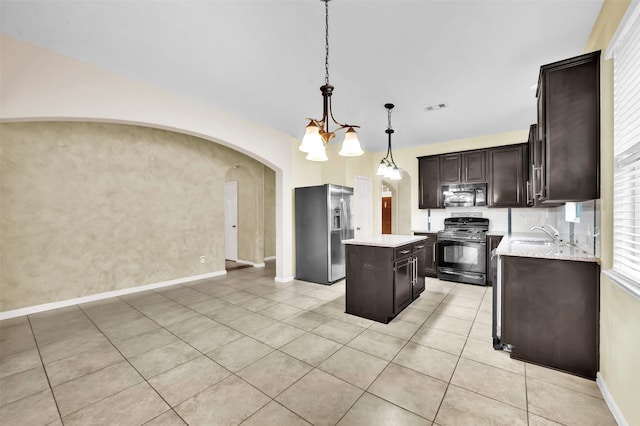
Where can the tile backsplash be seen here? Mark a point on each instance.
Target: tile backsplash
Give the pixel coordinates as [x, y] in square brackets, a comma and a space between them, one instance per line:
[586, 232]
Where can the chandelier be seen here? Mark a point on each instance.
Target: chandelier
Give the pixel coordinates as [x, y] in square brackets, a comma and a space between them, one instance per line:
[317, 135]
[387, 167]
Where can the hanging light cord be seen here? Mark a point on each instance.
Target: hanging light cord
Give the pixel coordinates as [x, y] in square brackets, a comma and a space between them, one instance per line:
[326, 41]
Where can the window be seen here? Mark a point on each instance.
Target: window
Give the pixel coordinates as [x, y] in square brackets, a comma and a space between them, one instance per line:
[625, 49]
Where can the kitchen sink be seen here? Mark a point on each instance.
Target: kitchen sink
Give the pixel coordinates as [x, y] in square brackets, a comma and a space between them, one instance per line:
[539, 241]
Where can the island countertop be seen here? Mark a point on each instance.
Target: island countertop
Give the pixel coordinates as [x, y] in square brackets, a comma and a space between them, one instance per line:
[385, 240]
[516, 245]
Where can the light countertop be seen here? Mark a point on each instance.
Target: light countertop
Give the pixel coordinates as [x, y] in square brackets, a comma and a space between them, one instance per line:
[509, 246]
[385, 240]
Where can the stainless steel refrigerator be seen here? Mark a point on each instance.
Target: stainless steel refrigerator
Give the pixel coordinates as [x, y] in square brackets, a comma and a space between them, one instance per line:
[323, 220]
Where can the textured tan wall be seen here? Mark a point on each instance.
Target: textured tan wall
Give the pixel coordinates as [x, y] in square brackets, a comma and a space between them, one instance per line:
[87, 208]
[269, 212]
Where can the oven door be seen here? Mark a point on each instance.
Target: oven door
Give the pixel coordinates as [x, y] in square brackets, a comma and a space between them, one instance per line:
[462, 261]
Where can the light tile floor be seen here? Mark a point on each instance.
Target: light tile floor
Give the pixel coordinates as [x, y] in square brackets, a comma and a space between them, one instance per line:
[243, 349]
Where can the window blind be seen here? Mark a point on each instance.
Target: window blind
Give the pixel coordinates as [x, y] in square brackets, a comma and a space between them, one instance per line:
[626, 134]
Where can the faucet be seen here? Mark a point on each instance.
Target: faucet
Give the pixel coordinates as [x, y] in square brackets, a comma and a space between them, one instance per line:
[555, 237]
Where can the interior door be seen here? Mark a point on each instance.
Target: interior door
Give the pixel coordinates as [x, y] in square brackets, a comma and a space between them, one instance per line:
[231, 220]
[386, 215]
[362, 207]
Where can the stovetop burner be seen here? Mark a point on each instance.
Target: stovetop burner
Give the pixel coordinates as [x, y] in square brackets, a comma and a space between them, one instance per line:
[464, 228]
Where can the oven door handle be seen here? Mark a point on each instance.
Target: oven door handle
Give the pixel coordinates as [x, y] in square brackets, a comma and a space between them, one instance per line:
[478, 242]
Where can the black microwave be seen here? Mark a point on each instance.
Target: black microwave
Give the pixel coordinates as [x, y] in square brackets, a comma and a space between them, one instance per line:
[464, 195]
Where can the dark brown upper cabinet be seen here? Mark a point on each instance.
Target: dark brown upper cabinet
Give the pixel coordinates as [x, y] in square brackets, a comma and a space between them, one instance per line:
[429, 183]
[535, 167]
[467, 167]
[567, 160]
[507, 176]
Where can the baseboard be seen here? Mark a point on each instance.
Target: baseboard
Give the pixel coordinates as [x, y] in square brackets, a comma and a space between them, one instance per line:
[608, 398]
[268, 258]
[283, 279]
[99, 296]
[246, 262]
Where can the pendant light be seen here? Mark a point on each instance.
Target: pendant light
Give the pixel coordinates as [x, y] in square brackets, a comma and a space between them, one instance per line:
[317, 135]
[387, 167]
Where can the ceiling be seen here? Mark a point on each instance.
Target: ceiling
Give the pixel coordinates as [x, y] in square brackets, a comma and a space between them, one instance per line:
[264, 59]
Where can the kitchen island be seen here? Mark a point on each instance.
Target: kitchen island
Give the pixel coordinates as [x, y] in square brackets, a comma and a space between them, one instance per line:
[546, 303]
[384, 274]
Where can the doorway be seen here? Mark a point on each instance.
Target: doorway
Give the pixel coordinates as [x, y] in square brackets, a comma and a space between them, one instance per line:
[386, 215]
[387, 193]
[231, 220]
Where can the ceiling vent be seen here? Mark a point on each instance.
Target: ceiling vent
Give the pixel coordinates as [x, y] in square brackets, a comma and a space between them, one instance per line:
[435, 107]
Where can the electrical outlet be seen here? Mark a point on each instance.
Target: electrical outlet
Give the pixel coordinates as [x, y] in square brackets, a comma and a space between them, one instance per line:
[202, 259]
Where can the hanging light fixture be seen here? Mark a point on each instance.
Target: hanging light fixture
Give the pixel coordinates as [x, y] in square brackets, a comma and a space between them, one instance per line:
[317, 135]
[387, 167]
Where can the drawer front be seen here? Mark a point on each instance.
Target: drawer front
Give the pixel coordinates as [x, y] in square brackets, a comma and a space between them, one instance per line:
[402, 251]
[420, 246]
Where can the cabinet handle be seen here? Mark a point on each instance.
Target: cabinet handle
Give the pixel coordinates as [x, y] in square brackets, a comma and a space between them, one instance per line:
[405, 251]
[529, 192]
[419, 247]
[434, 255]
[414, 271]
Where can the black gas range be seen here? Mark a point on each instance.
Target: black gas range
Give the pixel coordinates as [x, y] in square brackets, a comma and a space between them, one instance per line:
[462, 250]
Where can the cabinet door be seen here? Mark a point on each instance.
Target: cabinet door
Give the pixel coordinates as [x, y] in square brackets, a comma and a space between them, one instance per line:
[531, 166]
[429, 183]
[403, 284]
[475, 166]
[450, 168]
[506, 176]
[550, 311]
[569, 121]
[420, 265]
[430, 261]
[431, 264]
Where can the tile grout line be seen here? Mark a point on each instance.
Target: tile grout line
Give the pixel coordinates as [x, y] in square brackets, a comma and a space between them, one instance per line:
[132, 366]
[457, 362]
[312, 331]
[46, 374]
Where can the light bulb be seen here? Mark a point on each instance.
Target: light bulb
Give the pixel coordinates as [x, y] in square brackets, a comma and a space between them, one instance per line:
[395, 174]
[318, 154]
[311, 139]
[382, 168]
[351, 145]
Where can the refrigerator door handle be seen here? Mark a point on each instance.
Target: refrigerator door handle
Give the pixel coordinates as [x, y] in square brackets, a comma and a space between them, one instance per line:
[343, 208]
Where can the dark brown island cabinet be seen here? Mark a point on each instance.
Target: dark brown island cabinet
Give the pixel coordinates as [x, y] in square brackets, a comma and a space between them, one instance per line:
[382, 281]
[431, 261]
[567, 144]
[550, 312]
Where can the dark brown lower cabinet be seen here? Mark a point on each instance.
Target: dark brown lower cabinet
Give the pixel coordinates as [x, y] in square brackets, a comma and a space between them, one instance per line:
[382, 281]
[430, 262]
[550, 312]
